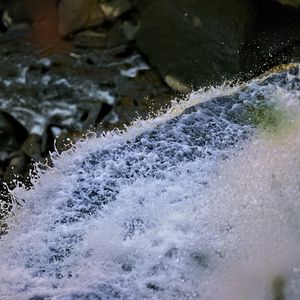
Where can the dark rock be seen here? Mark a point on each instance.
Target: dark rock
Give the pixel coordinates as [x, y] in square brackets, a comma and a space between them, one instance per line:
[90, 39]
[274, 38]
[116, 36]
[18, 30]
[203, 43]
[194, 43]
[66, 140]
[3, 27]
[16, 11]
[12, 135]
[2, 5]
[130, 30]
[32, 147]
[16, 169]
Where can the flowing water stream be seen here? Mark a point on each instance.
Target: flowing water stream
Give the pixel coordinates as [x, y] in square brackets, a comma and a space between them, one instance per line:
[201, 202]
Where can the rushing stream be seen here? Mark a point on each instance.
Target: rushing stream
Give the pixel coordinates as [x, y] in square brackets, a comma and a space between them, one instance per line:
[201, 202]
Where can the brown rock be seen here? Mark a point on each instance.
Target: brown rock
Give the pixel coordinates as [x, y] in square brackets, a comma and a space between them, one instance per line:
[75, 15]
[44, 18]
[114, 8]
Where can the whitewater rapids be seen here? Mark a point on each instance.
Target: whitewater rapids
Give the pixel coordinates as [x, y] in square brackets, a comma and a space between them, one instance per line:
[197, 203]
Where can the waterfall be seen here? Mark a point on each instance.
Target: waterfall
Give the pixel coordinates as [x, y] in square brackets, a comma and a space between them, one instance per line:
[200, 202]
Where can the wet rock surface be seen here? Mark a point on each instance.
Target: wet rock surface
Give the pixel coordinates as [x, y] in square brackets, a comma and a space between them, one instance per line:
[77, 15]
[199, 42]
[45, 93]
[273, 39]
[216, 40]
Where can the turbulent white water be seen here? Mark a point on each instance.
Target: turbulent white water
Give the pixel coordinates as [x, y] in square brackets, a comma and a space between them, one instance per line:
[195, 204]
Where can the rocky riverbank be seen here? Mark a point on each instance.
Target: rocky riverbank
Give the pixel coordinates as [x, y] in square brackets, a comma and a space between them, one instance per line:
[50, 88]
[70, 66]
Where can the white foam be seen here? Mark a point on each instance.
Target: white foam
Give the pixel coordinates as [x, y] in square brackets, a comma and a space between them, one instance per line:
[205, 228]
[22, 79]
[132, 72]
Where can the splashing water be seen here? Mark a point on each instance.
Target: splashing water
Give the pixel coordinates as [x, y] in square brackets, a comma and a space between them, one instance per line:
[198, 203]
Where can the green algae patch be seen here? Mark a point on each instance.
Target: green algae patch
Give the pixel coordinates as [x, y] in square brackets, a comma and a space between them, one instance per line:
[278, 286]
[271, 121]
[267, 118]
